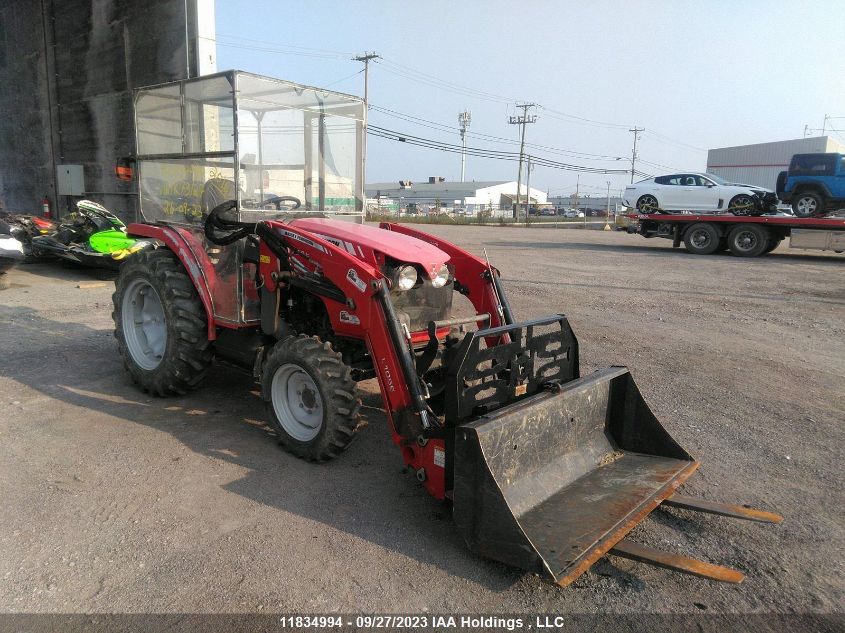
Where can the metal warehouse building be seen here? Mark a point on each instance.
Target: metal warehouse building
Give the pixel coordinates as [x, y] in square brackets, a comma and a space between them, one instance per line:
[496, 197]
[760, 164]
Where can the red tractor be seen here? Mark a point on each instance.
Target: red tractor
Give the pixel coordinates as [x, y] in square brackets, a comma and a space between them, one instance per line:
[545, 470]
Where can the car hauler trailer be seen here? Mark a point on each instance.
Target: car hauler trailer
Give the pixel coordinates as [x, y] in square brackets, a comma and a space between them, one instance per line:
[741, 235]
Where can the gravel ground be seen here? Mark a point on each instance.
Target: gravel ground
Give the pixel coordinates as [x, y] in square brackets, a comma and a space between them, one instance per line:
[117, 502]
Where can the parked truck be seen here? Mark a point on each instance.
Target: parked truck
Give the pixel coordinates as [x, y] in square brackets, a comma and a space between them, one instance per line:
[741, 235]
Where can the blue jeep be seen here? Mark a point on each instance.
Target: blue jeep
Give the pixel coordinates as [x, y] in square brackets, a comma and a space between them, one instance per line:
[814, 184]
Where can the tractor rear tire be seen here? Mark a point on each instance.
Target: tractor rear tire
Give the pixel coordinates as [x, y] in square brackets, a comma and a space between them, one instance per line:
[310, 397]
[160, 324]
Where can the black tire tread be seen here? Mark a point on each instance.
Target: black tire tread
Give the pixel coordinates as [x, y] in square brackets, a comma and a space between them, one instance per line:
[337, 389]
[189, 352]
[763, 236]
[715, 239]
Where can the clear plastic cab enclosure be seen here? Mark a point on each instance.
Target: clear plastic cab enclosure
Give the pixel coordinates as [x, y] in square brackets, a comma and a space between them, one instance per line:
[235, 135]
[238, 136]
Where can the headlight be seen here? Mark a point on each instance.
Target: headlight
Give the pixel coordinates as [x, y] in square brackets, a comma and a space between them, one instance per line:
[442, 277]
[406, 277]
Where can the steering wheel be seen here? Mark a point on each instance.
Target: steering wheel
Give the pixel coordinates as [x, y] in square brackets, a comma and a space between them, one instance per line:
[222, 231]
[278, 200]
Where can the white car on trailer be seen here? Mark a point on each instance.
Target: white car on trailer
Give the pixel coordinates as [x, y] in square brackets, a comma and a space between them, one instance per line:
[696, 192]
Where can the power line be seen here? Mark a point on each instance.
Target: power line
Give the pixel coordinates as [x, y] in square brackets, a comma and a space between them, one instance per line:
[264, 49]
[276, 45]
[434, 125]
[483, 152]
[660, 138]
[679, 169]
[431, 80]
[412, 74]
[333, 83]
[583, 119]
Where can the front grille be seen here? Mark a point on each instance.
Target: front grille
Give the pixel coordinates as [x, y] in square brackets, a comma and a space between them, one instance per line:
[421, 304]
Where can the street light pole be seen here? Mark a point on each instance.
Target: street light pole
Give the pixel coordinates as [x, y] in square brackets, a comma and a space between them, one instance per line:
[464, 119]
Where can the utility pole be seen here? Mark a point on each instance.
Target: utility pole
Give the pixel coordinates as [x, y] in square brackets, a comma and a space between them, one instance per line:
[366, 58]
[521, 120]
[528, 169]
[577, 186]
[607, 210]
[464, 119]
[636, 132]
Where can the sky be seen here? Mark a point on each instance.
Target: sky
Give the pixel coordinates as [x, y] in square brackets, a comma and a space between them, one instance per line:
[695, 75]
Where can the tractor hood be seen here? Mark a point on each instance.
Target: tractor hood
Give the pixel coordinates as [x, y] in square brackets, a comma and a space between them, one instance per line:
[350, 237]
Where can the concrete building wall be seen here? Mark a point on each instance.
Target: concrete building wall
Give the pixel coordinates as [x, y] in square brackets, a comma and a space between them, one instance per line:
[760, 164]
[68, 68]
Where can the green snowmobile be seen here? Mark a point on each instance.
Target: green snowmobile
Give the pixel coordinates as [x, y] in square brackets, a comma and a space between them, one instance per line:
[92, 236]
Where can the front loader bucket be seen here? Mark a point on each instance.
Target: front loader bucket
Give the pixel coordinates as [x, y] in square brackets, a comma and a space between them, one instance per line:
[552, 482]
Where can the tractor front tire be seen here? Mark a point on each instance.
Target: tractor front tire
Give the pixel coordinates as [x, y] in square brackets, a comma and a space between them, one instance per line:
[310, 397]
[160, 324]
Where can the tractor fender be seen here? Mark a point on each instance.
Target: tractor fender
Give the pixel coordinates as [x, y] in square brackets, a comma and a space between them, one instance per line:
[175, 240]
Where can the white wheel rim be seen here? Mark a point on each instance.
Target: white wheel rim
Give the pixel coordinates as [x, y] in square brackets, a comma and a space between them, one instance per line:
[297, 402]
[144, 324]
[806, 205]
